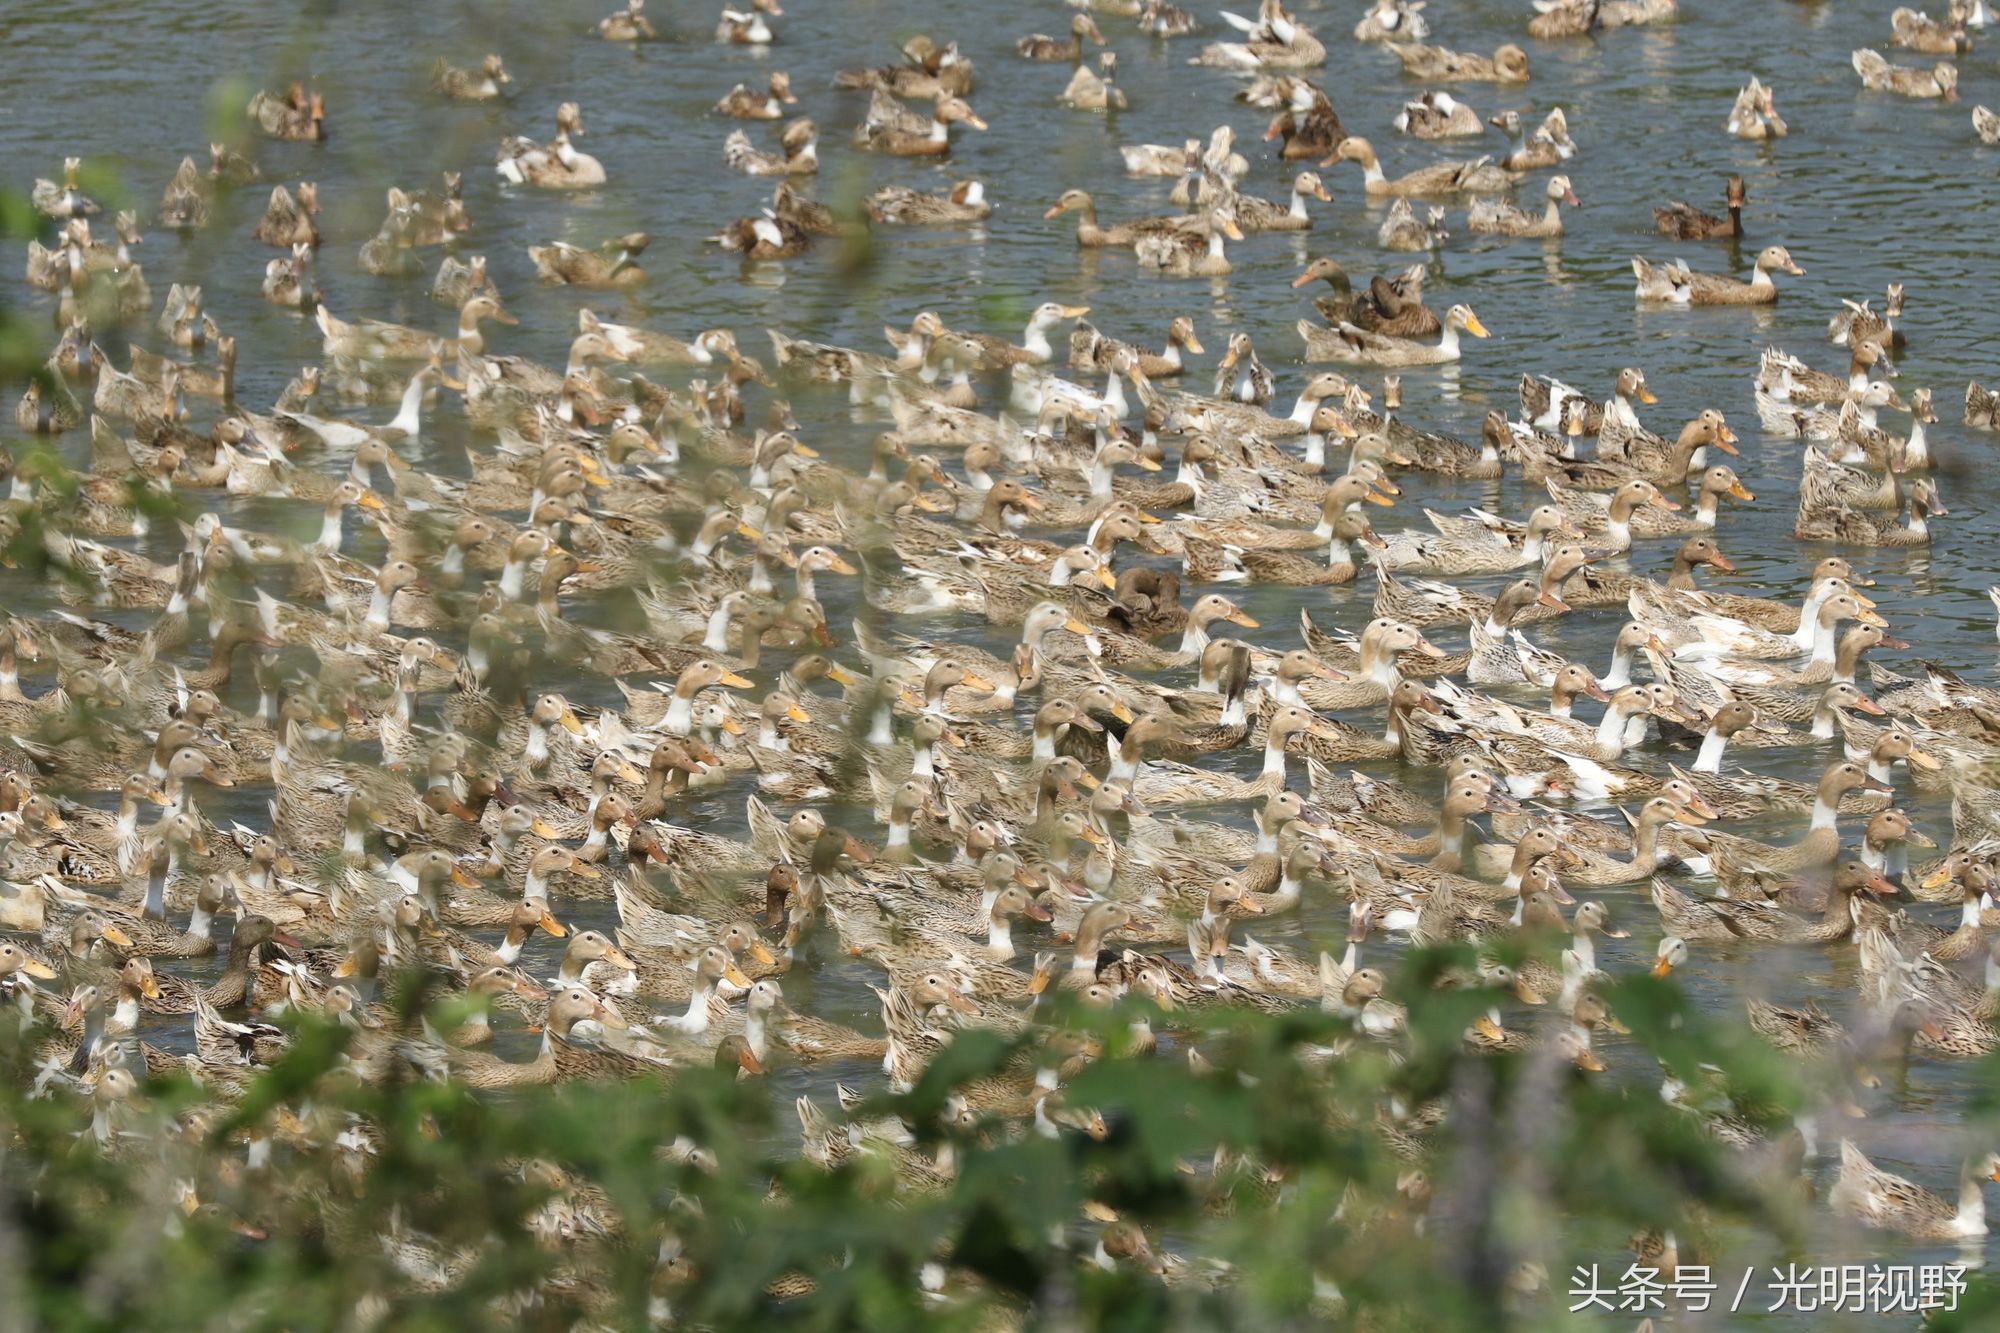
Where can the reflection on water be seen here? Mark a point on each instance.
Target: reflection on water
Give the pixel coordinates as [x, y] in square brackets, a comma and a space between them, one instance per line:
[1866, 190]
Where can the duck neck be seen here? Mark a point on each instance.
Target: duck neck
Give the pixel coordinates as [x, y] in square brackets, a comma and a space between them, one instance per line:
[999, 937]
[1274, 757]
[156, 890]
[1611, 730]
[1970, 1219]
[1709, 758]
[1308, 403]
[716, 638]
[1584, 946]
[1822, 644]
[696, 1018]
[1194, 639]
[680, 714]
[1646, 844]
[881, 724]
[332, 528]
[409, 418]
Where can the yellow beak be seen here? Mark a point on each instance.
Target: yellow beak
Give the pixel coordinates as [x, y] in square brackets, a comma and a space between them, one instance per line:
[1474, 327]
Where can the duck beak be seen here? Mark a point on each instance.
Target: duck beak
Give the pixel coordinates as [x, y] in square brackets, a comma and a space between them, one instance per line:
[1662, 966]
[972, 680]
[839, 675]
[370, 500]
[1148, 465]
[1647, 395]
[1120, 711]
[621, 960]
[1429, 649]
[1663, 502]
[1552, 601]
[1235, 233]
[1378, 498]
[1740, 491]
[1866, 705]
[551, 926]
[798, 714]
[1878, 884]
[150, 988]
[1075, 626]
[734, 976]
[1593, 690]
[1891, 641]
[1474, 327]
[733, 681]
[1037, 912]
[1683, 815]
[570, 723]
[1335, 674]
[1075, 311]
[118, 937]
[1488, 1029]
[1103, 576]
[1868, 617]
[462, 878]
[1938, 878]
[1701, 807]
[1054, 211]
[1239, 618]
[1302, 280]
[1090, 835]
[841, 565]
[39, 970]
[962, 1003]
[1924, 760]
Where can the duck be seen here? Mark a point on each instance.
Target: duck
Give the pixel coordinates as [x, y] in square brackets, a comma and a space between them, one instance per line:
[483, 84]
[1478, 175]
[1508, 64]
[1878, 75]
[749, 27]
[1685, 222]
[296, 116]
[1039, 46]
[1862, 528]
[65, 201]
[1547, 145]
[1885, 1202]
[288, 221]
[1391, 305]
[1090, 235]
[629, 24]
[1276, 40]
[1195, 253]
[1393, 20]
[935, 141]
[1259, 215]
[1544, 402]
[611, 264]
[964, 202]
[1755, 114]
[742, 103]
[1438, 115]
[798, 155]
[552, 166]
[1358, 346]
[1676, 284]
[1489, 217]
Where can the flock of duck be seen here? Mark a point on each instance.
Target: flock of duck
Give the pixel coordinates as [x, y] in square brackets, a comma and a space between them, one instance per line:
[982, 830]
